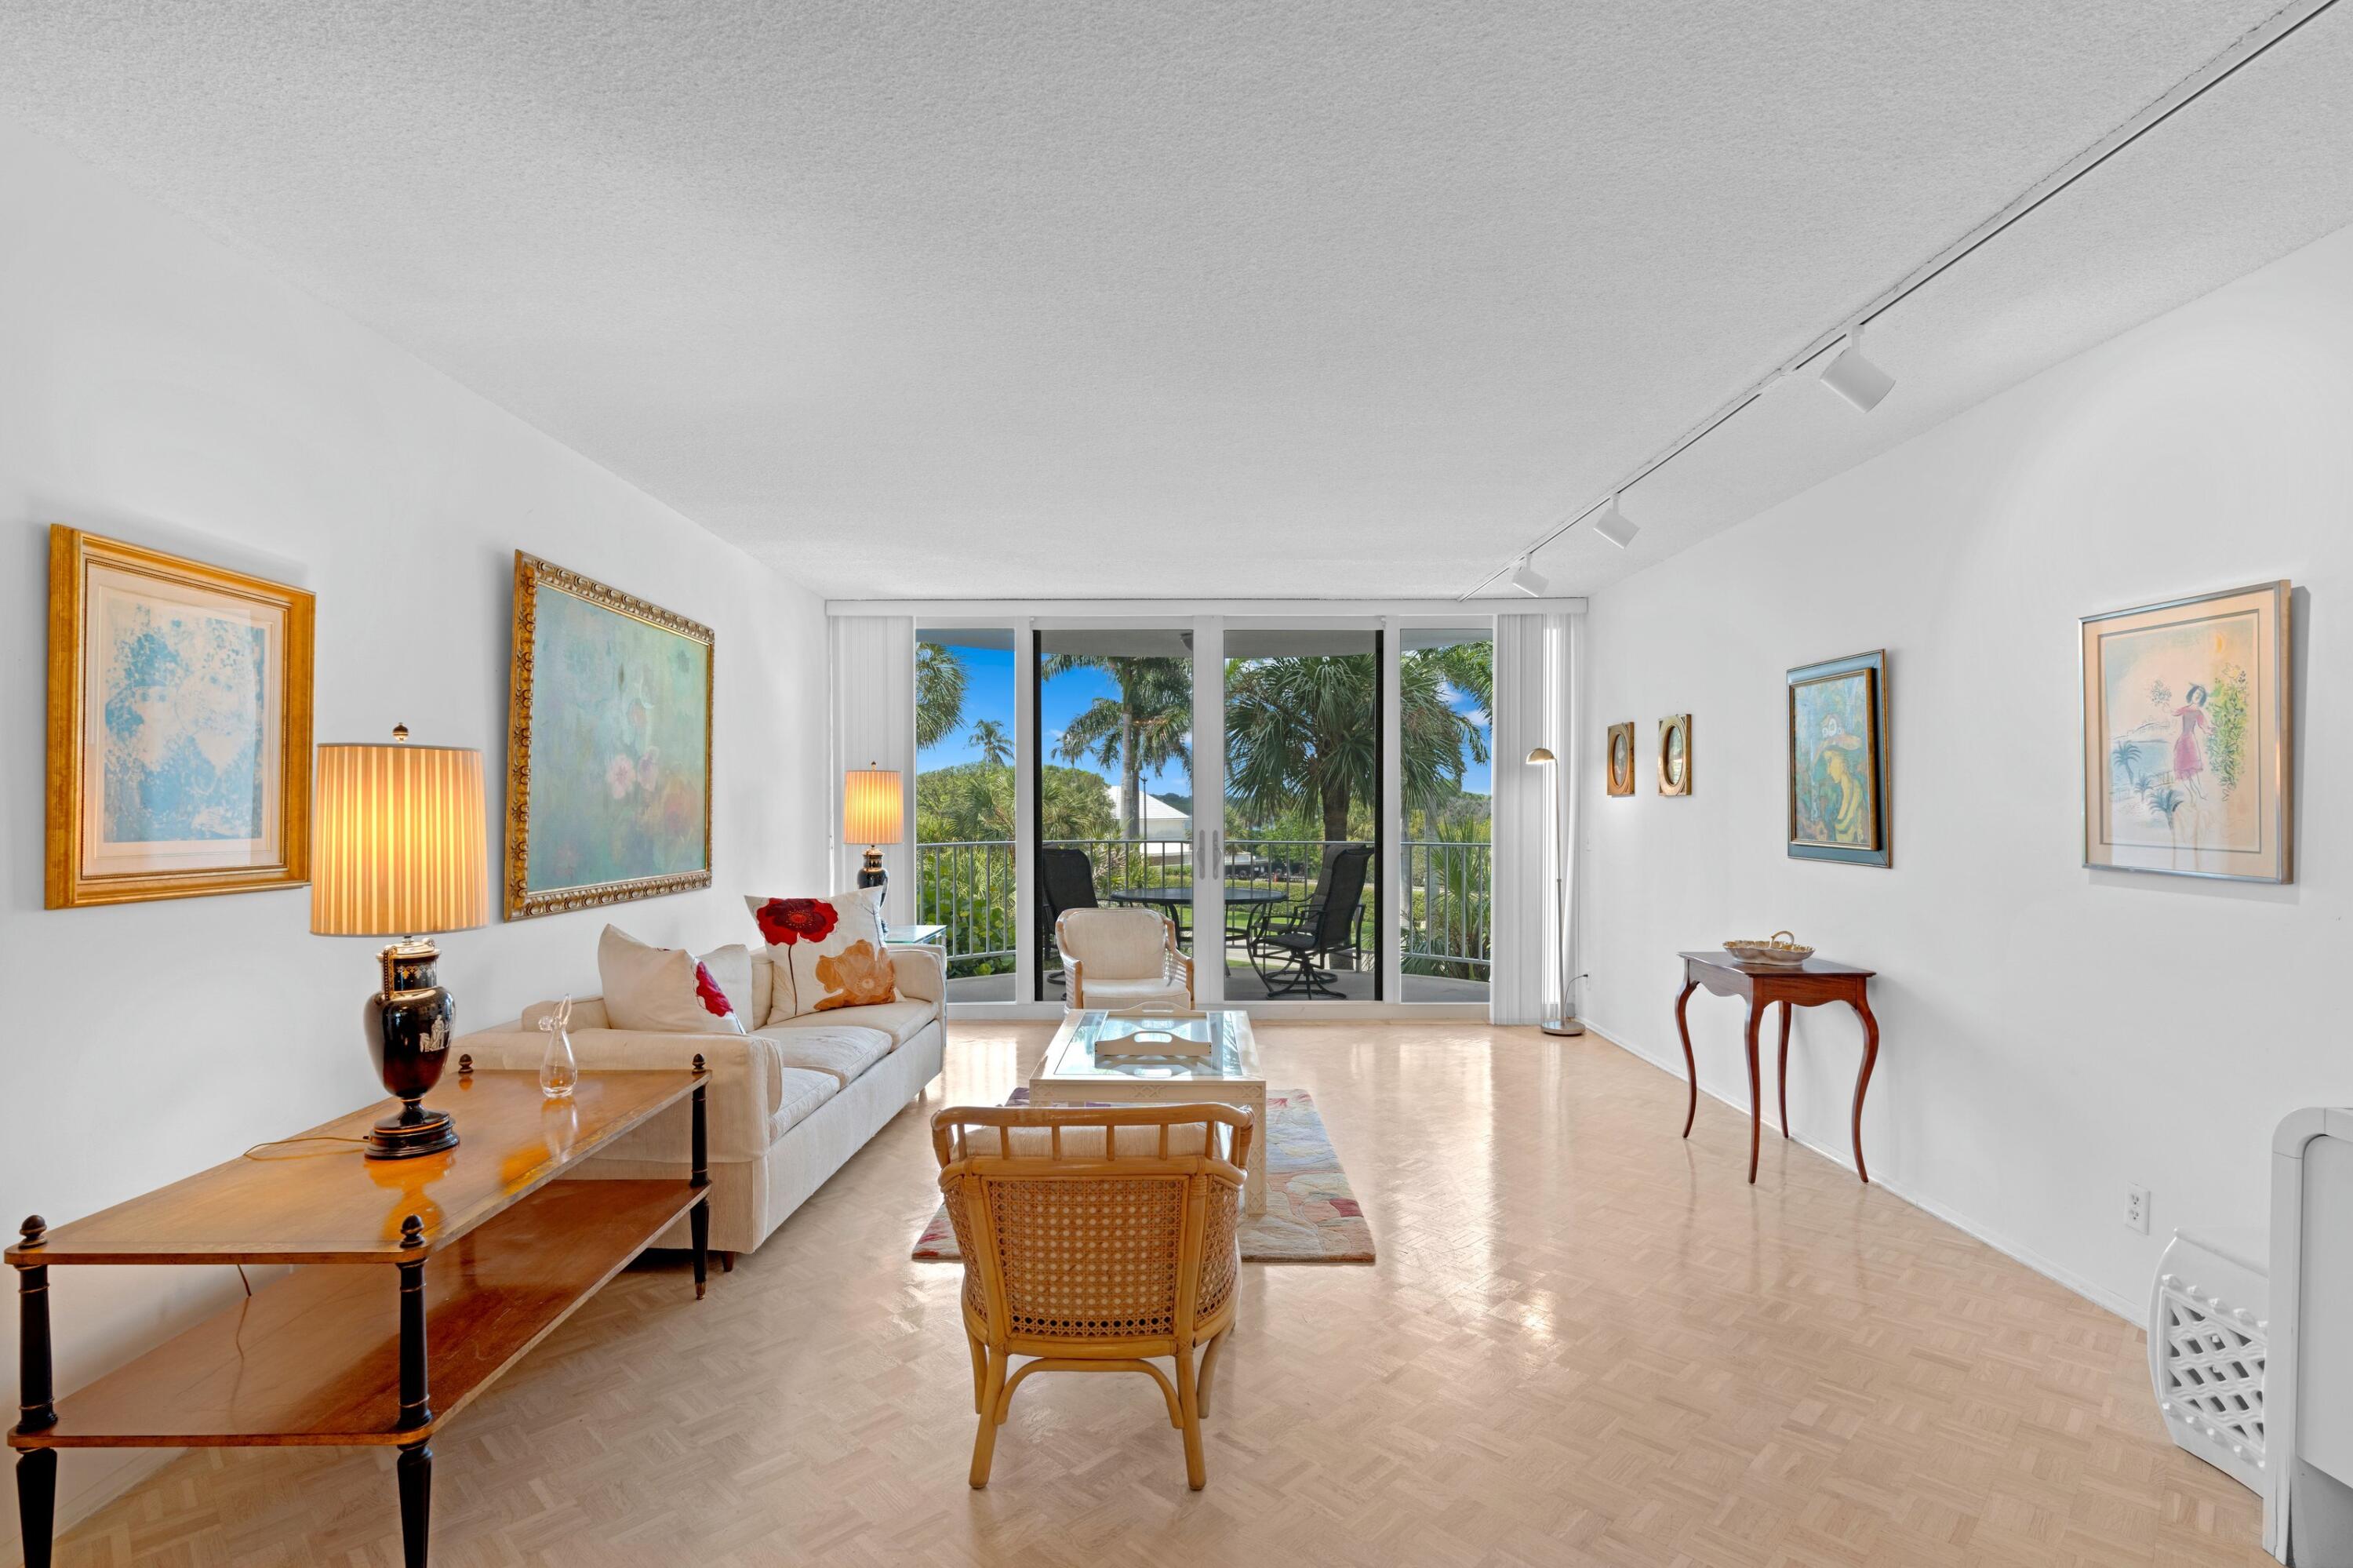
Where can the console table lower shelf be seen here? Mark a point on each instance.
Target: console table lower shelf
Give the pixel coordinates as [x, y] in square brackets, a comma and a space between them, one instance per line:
[493, 1249]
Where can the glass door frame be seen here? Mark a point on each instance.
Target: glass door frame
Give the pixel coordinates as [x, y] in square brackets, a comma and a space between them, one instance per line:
[1028, 621]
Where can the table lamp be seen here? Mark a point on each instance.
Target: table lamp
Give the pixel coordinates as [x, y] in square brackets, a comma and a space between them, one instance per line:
[871, 801]
[397, 851]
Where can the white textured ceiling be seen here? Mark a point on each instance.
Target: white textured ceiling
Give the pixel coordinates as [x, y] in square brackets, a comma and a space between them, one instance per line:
[1330, 297]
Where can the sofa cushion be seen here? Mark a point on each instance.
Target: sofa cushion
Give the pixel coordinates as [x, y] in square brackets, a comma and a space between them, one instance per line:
[831, 949]
[805, 1089]
[842, 1052]
[669, 991]
[901, 1021]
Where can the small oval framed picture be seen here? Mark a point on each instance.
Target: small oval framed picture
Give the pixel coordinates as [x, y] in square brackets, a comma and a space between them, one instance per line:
[1620, 755]
[1675, 755]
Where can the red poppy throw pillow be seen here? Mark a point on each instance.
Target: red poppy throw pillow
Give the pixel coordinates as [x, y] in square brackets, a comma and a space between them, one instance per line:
[669, 991]
[828, 952]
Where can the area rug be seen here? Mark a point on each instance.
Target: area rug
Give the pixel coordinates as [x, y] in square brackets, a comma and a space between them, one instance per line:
[1312, 1215]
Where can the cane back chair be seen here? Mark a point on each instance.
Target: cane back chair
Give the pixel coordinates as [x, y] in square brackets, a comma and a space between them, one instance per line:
[1094, 1238]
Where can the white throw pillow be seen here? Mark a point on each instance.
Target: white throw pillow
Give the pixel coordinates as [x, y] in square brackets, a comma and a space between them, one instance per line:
[667, 990]
[831, 948]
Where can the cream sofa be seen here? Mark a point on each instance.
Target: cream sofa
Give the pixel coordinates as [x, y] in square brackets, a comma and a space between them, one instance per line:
[788, 1106]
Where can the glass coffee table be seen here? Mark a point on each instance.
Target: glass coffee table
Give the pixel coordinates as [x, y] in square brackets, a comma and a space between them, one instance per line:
[1088, 1064]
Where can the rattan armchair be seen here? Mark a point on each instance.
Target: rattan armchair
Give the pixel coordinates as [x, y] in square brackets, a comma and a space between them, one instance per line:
[1094, 1238]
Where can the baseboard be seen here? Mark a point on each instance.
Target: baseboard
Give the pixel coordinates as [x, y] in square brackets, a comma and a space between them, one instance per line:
[76, 1502]
[2131, 1311]
[1271, 1012]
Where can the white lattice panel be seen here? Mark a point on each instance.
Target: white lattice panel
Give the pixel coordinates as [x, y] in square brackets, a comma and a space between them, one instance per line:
[2207, 1347]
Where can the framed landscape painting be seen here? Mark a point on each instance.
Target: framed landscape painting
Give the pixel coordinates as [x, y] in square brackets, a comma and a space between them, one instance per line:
[1837, 760]
[608, 746]
[179, 726]
[2186, 736]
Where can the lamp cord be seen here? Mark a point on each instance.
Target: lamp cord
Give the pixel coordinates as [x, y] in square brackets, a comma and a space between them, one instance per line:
[254, 1153]
[287, 1142]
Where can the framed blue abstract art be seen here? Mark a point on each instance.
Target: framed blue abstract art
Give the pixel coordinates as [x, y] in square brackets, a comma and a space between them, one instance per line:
[179, 734]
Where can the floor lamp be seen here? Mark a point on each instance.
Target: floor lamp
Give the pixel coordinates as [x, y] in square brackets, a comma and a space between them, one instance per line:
[1560, 1021]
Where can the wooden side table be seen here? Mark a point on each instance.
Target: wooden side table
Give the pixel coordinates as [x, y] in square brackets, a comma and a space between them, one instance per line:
[1809, 984]
[479, 1252]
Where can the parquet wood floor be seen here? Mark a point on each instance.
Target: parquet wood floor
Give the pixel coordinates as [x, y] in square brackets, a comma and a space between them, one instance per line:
[1587, 1342]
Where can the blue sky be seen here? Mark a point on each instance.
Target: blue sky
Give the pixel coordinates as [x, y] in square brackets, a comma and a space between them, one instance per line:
[988, 695]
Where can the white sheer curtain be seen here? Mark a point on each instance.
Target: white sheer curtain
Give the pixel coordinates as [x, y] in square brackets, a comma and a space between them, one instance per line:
[875, 726]
[1535, 814]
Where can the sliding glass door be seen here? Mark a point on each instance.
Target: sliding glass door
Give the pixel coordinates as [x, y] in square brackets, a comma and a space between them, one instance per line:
[1446, 851]
[966, 896]
[1303, 823]
[1114, 798]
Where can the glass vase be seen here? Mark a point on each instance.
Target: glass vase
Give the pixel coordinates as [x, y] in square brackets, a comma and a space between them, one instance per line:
[558, 1072]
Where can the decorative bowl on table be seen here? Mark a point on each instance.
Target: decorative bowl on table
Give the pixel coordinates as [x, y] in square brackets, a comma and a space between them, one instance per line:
[1773, 949]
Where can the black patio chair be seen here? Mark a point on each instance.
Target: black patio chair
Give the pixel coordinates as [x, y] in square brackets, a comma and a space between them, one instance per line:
[1066, 880]
[1294, 952]
[1302, 917]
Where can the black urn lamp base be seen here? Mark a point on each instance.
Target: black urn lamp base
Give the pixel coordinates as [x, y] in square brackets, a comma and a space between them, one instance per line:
[414, 1131]
[409, 1024]
[871, 875]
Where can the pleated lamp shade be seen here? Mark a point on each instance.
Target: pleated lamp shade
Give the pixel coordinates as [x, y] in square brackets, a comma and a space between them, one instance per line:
[397, 840]
[871, 803]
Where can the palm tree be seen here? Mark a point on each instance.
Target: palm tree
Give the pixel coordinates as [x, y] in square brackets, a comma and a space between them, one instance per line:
[1142, 729]
[1469, 668]
[988, 738]
[939, 693]
[1309, 728]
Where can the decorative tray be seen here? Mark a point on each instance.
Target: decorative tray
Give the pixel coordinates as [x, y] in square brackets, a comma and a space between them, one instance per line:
[1772, 950]
[1154, 1035]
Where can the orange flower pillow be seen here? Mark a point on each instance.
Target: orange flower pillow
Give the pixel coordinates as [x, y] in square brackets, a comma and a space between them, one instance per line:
[827, 952]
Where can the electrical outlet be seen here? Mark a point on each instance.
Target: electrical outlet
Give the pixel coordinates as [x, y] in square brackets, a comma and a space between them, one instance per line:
[2137, 1209]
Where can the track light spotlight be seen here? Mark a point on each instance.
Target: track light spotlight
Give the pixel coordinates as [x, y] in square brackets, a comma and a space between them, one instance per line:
[1525, 578]
[1855, 378]
[1615, 525]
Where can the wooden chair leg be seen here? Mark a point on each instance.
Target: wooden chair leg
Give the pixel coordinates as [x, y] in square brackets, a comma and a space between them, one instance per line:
[1209, 1370]
[984, 1442]
[1197, 1469]
[979, 1372]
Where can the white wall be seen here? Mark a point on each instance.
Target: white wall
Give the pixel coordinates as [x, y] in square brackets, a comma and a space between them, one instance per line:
[158, 387]
[2049, 1033]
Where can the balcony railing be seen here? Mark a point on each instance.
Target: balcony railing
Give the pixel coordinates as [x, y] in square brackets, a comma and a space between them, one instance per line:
[1447, 921]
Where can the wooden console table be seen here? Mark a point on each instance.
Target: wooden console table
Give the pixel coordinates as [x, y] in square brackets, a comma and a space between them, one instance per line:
[491, 1249]
[1809, 984]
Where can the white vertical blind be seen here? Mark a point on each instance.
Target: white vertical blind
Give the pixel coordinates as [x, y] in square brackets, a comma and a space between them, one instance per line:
[1536, 816]
[875, 726]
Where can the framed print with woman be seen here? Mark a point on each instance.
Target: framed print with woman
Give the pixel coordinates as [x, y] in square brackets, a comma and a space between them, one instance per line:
[1837, 799]
[2186, 736]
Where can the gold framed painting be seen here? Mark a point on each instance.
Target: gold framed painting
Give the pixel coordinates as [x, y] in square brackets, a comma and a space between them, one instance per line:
[1837, 783]
[608, 746]
[1674, 756]
[1620, 758]
[2188, 736]
[179, 726]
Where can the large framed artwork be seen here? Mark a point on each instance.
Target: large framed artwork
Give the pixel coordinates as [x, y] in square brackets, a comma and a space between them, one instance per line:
[179, 738]
[1837, 761]
[608, 746]
[2187, 737]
